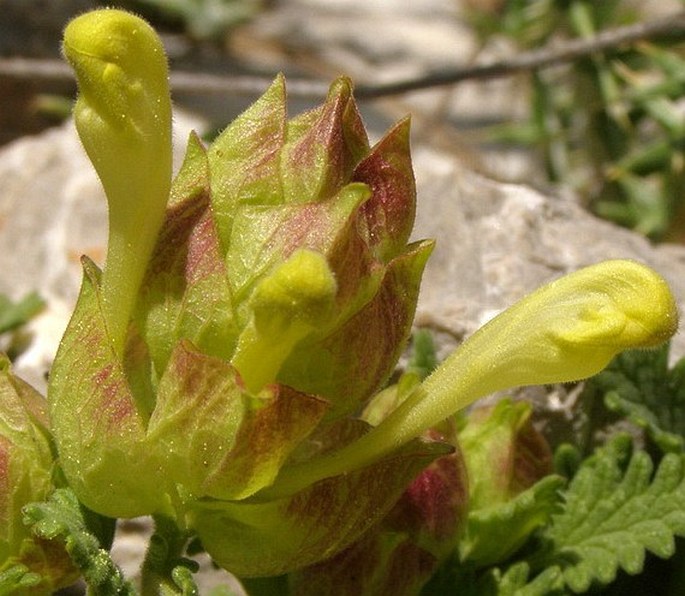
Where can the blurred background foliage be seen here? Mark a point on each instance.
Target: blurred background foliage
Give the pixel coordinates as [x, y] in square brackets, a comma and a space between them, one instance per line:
[202, 20]
[610, 126]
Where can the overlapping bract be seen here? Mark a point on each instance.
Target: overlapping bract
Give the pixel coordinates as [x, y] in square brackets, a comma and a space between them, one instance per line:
[267, 304]
[276, 301]
[26, 469]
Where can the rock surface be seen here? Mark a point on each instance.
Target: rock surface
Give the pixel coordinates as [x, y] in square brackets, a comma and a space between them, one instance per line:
[498, 241]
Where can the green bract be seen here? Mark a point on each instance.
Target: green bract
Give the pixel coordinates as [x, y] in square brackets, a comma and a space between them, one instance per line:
[245, 313]
[26, 467]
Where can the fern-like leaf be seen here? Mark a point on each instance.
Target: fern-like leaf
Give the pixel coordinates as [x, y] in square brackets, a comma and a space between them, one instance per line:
[639, 386]
[63, 518]
[17, 579]
[616, 510]
[516, 582]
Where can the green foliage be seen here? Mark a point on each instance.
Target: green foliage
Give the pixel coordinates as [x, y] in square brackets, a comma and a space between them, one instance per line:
[615, 514]
[16, 314]
[516, 581]
[13, 316]
[17, 579]
[640, 386]
[423, 359]
[616, 510]
[607, 125]
[165, 570]
[83, 533]
[494, 533]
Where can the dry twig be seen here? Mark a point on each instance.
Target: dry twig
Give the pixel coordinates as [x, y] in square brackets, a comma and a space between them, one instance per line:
[207, 83]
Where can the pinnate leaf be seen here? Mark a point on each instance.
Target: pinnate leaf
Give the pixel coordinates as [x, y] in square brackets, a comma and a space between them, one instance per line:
[639, 385]
[63, 518]
[515, 582]
[616, 509]
[17, 579]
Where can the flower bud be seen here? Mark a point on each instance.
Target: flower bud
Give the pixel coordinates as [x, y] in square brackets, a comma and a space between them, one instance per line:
[123, 117]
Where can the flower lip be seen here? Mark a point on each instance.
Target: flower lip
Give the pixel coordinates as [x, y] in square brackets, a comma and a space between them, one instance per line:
[565, 331]
[629, 306]
[106, 35]
[112, 52]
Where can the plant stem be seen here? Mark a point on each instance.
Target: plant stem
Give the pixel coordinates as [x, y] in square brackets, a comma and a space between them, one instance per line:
[163, 557]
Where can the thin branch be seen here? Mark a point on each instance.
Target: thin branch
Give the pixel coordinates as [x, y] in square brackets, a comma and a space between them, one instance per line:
[207, 83]
[191, 83]
[671, 26]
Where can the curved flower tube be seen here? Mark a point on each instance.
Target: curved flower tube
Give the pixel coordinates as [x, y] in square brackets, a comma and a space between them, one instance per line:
[565, 331]
[248, 310]
[123, 117]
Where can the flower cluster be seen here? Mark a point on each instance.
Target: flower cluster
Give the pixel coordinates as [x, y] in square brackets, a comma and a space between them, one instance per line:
[215, 372]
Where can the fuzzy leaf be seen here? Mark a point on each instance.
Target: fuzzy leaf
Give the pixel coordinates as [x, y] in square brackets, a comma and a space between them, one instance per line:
[244, 162]
[264, 235]
[26, 473]
[504, 453]
[615, 511]
[322, 147]
[215, 439]
[166, 571]
[98, 415]
[389, 217]
[270, 536]
[515, 582]
[639, 385]
[183, 578]
[63, 518]
[185, 292]
[17, 579]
